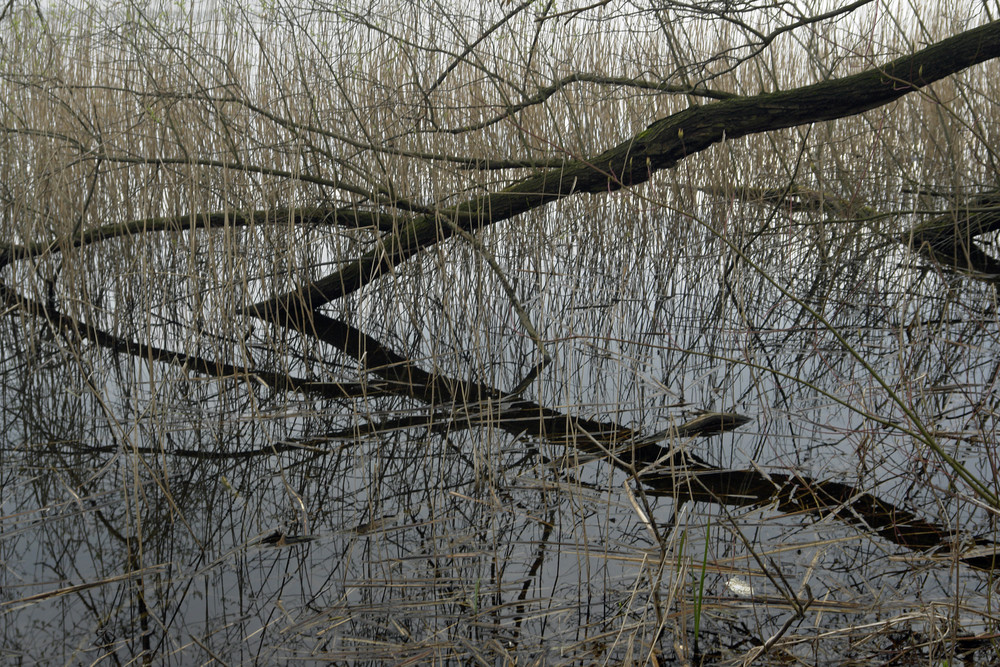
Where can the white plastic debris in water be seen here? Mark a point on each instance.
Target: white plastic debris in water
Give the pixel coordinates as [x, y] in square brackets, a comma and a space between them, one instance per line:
[739, 587]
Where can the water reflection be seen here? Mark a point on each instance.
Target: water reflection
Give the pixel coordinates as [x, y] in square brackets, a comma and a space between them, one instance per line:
[150, 511]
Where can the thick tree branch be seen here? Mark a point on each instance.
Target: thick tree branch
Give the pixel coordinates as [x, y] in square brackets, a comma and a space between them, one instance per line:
[343, 216]
[661, 146]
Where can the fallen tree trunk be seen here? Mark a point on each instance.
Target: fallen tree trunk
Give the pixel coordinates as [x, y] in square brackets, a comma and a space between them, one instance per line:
[661, 146]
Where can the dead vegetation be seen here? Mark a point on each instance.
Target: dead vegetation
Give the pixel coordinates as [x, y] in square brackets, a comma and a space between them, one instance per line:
[523, 334]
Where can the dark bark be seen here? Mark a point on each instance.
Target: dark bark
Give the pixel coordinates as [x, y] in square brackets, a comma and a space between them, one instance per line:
[459, 404]
[796, 495]
[950, 239]
[661, 146]
[305, 216]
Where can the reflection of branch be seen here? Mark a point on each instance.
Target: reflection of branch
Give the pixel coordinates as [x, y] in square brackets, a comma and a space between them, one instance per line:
[795, 494]
[277, 381]
[478, 404]
[671, 472]
[949, 239]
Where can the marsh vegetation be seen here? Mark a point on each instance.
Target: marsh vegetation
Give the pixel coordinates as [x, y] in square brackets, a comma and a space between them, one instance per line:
[538, 333]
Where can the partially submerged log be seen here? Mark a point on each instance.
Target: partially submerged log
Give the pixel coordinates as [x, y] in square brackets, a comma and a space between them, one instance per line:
[950, 239]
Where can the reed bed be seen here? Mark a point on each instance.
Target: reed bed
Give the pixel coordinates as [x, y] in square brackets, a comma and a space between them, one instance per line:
[431, 469]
